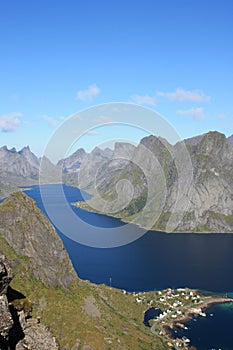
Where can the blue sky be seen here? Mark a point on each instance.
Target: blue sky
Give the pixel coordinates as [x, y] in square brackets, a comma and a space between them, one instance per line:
[61, 57]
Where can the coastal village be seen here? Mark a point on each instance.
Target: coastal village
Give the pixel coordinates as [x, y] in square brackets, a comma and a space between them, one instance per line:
[169, 309]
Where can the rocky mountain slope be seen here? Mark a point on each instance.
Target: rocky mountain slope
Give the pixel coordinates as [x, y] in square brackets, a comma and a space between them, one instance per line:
[30, 234]
[19, 169]
[24, 168]
[46, 295]
[188, 186]
[18, 330]
[182, 187]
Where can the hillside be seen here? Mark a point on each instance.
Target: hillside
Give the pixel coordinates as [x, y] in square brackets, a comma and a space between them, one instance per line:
[186, 187]
[81, 315]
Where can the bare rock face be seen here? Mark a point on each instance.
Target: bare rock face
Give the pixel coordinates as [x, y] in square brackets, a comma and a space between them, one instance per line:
[195, 190]
[6, 274]
[18, 331]
[37, 336]
[6, 321]
[30, 234]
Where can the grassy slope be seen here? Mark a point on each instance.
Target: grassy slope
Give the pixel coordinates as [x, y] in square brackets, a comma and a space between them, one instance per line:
[63, 311]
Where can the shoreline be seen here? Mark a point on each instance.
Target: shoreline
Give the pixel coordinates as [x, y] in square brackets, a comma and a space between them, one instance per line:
[167, 327]
[189, 316]
[85, 206]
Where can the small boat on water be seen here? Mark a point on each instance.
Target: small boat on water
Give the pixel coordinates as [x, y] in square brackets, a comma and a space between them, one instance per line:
[203, 314]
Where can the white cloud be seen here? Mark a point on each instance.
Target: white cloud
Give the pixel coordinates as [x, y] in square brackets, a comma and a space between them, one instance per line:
[197, 113]
[52, 121]
[184, 95]
[10, 122]
[88, 94]
[144, 100]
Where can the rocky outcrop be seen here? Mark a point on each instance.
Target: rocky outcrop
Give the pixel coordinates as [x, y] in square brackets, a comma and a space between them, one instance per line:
[28, 231]
[6, 320]
[18, 331]
[5, 274]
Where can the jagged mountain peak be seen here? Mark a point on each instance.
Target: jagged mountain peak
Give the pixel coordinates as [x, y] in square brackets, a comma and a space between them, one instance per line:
[213, 143]
[73, 162]
[153, 141]
[148, 139]
[80, 152]
[98, 152]
[25, 148]
[121, 146]
[30, 157]
[4, 148]
[193, 141]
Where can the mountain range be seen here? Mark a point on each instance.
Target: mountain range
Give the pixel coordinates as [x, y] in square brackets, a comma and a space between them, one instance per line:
[188, 186]
[183, 187]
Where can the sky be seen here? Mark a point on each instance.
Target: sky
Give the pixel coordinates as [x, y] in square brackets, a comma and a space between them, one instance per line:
[59, 58]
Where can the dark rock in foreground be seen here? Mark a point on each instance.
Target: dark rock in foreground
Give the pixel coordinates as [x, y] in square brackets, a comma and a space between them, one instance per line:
[17, 329]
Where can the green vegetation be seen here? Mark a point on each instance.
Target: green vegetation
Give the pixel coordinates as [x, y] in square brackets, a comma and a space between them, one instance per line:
[227, 218]
[119, 321]
[22, 304]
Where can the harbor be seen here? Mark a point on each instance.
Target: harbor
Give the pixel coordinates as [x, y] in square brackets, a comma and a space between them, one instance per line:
[173, 308]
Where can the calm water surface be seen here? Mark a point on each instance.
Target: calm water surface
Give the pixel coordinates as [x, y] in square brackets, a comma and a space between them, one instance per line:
[213, 331]
[157, 261]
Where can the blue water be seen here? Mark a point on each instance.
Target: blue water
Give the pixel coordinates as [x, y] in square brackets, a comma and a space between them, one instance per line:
[213, 331]
[156, 261]
[151, 314]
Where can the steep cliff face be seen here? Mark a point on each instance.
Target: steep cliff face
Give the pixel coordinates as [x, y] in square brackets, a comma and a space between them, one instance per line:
[18, 331]
[210, 206]
[125, 180]
[22, 163]
[6, 320]
[21, 168]
[30, 233]
[72, 163]
[195, 188]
